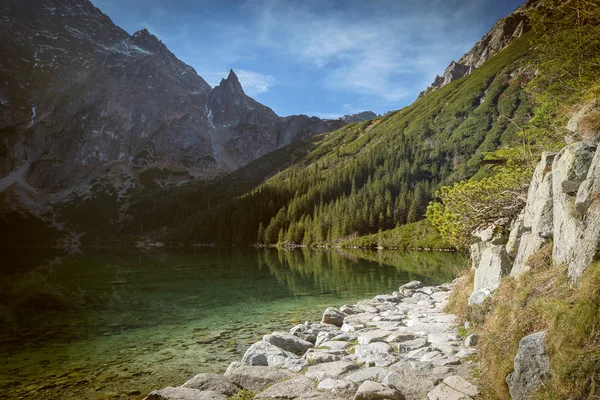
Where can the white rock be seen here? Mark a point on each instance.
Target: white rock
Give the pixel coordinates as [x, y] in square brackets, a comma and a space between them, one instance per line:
[532, 367]
[333, 316]
[330, 370]
[369, 390]
[462, 385]
[445, 392]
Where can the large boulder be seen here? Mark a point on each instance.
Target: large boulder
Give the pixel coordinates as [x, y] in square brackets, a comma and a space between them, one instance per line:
[569, 169]
[255, 378]
[288, 342]
[289, 389]
[493, 265]
[266, 354]
[215, 382]
[532, 367]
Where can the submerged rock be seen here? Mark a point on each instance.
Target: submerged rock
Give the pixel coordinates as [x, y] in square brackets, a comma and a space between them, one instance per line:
[255, 378]
[182, 393]
[215, 382]
[288, 342]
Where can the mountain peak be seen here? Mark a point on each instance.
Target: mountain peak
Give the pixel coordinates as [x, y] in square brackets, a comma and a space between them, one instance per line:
[231, 84]
[145, 39]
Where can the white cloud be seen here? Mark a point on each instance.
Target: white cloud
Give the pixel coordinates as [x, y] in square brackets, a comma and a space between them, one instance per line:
[255, 83]
[388, 53]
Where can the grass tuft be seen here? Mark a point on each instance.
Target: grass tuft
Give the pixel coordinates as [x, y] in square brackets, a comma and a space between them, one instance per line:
[541, 299]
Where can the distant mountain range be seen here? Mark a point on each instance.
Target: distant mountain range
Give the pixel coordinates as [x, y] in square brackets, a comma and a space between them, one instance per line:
[107, 137]
[80, 94]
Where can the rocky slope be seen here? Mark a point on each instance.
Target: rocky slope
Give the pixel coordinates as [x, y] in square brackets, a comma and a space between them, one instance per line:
[561, 219]
[79, 94]
[358, 117]
[400, 346]
[503, 33]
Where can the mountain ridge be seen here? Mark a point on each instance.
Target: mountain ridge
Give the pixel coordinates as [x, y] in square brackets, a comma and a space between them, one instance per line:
[82, 94]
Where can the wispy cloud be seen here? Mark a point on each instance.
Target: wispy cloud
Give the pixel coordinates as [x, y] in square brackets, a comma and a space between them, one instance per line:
[384, 55]
[255, 83]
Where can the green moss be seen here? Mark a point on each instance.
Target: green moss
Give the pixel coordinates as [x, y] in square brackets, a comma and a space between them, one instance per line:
[243, 395]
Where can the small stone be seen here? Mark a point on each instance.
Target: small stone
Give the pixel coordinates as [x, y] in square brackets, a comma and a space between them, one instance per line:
[471, 340]
[333, 316]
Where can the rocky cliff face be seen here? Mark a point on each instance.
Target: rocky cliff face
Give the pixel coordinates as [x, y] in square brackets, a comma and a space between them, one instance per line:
[562, 211]
[504, 32]
[359, 117]
[80, 94]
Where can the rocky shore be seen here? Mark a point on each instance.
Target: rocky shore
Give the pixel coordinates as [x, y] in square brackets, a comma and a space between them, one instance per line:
[398, 346]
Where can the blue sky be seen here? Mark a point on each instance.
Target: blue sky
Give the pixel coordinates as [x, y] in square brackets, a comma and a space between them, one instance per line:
[317, 57]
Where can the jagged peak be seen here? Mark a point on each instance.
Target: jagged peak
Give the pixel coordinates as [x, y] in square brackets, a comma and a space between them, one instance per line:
[232, 83]
[144, 38]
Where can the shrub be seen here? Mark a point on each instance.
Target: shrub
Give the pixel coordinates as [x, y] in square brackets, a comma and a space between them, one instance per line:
[470, 205]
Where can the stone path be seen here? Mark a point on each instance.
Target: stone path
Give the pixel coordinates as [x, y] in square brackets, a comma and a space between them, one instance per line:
[398, 346]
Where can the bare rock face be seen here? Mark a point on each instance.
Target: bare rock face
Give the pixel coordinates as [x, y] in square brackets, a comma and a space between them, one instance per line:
[532, 367]
[570, 168]
[358, 117]
[81, 94]
[493, 265]
[504, 32]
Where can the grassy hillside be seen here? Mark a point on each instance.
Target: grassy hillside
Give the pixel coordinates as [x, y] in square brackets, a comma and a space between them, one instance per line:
[363, 178]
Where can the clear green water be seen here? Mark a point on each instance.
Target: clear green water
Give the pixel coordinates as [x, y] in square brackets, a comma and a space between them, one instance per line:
[120, 323]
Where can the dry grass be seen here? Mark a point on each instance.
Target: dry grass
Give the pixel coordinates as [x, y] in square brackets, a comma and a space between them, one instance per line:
[542, 299]
[459, 298]
[542, 258]
[589, 125]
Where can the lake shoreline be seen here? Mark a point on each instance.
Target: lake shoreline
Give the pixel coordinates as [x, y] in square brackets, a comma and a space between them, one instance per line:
[399, 346]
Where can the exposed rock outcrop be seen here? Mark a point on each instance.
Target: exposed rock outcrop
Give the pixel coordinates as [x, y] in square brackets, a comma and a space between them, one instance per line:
[532, 367]
[503, 33]
[358, 117]
[493, 265]
[562, 206]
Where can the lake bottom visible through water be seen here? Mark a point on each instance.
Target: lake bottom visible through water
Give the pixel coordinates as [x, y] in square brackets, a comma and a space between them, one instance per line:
[118, 324]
